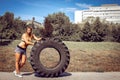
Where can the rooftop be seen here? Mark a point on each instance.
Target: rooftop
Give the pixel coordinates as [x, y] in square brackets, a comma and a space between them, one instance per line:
[109, 5]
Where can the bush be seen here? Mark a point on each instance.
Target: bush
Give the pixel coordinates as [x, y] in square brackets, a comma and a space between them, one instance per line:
[10, 28]
[61, 27]
[116, 33]
[98, 31]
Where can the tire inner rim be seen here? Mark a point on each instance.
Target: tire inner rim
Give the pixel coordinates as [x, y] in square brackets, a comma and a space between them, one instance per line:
[49, 57]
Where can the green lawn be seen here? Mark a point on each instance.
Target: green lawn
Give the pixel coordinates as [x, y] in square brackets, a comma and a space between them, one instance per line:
[85, 46]
[91, 46]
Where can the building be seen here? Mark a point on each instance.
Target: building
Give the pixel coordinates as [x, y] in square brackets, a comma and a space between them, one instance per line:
[107, 12]
[36, 24]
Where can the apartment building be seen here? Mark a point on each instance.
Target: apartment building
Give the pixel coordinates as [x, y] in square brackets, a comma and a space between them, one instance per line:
[107, 12]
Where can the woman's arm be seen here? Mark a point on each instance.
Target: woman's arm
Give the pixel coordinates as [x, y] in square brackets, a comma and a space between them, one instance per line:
[26, 40]
[36, 38]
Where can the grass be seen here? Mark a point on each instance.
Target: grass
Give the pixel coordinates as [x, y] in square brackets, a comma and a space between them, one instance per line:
[85, 56]
[83, 46]
[91, 46]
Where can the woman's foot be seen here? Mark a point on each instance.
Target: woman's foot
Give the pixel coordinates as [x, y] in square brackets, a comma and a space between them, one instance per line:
[16, 74]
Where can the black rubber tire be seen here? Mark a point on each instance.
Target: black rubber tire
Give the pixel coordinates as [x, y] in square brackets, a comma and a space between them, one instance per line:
[62, 50]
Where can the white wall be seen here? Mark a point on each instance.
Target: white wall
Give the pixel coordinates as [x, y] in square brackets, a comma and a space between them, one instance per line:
[78, 16]
[110, 13]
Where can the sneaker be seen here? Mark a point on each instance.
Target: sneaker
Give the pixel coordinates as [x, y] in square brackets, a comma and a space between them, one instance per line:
[18, 75]
[14, 72]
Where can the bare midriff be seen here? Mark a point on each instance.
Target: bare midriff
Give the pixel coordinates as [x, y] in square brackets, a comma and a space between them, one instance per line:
[22, 44]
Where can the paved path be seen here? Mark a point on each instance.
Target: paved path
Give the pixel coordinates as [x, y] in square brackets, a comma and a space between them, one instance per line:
[65, 76]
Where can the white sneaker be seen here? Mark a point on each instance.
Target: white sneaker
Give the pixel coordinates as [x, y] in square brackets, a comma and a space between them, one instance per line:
[18, 75]
[14, 72]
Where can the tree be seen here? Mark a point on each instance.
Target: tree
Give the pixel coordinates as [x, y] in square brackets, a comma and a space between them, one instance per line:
[58, 23]
[95, 31]
[86, 32]
[48, 30]
[10, 27]
[7, 24]
[19, 26]
[116, 33]
[75, 32]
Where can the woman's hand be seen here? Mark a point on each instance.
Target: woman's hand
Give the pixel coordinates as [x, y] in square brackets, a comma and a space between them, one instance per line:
[36, 38]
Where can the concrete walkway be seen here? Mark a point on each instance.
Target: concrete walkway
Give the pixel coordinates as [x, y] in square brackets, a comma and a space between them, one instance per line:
[64, 76]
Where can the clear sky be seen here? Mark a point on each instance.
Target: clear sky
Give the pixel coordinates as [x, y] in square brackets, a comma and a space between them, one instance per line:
[39, 9]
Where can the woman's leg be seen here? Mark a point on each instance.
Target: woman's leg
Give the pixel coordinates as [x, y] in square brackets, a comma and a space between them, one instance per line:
[23, 60]
[17, 62]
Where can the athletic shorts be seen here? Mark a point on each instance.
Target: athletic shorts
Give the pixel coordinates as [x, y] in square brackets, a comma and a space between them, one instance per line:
[20, 50]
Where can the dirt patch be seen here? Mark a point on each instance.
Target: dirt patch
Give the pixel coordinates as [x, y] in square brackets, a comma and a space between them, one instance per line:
[7, 60]
[98, 61]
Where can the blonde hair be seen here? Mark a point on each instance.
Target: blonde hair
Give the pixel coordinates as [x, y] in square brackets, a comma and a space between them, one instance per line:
[29, 27]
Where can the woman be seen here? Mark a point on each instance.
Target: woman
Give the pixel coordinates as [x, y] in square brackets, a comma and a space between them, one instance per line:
[20, 51]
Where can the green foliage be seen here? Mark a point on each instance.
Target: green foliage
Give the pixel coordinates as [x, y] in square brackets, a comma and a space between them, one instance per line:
[58, 21]
[19, 27]
[59, 25]
[116, 33]
[48, 28]
[10, 28]
[6, 25]
[93, 32]
[86, 32]
[98, 31]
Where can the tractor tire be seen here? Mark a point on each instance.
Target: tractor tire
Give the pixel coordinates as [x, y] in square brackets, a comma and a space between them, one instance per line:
[61, 66]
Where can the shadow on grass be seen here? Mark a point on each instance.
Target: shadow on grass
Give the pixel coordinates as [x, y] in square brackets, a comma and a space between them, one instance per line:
[3, 43]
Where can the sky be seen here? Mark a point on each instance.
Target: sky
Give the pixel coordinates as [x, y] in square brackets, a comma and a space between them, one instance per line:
[26, 9]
